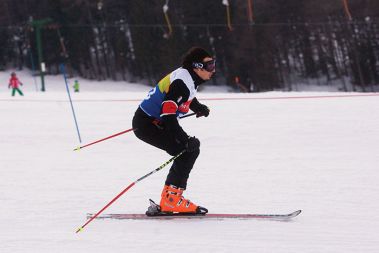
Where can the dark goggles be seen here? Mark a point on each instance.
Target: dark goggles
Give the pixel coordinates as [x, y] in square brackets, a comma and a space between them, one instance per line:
[209, 66]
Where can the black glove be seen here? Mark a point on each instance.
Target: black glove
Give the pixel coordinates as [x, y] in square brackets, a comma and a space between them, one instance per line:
[193, 144]
[203, 110]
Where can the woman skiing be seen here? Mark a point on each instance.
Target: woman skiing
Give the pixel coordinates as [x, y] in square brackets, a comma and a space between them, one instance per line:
[156, 123]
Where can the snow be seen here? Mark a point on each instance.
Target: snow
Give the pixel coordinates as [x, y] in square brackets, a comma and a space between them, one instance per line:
[260, 153]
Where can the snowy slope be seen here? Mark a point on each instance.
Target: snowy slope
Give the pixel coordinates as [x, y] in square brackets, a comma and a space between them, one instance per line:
[259, 154]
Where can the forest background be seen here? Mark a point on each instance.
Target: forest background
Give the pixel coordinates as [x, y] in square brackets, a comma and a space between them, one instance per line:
[259, 45]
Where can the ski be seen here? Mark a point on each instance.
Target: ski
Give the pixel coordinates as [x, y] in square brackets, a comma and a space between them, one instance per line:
[170, 216]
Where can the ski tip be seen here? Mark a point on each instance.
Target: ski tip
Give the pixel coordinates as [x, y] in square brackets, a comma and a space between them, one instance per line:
[77, 149]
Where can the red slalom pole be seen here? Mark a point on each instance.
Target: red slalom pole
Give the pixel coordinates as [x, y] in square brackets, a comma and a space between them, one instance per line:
[106, 138]
[127, 188]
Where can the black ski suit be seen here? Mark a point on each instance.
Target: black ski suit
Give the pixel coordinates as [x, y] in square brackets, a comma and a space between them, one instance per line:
[156, 121]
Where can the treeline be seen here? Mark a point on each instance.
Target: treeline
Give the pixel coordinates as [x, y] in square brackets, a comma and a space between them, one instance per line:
[259, 44]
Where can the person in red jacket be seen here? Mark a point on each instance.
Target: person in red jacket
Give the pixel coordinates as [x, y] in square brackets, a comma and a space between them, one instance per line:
[15, 84]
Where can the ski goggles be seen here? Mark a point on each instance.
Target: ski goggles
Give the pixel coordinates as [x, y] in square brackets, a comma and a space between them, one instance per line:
[209, 66]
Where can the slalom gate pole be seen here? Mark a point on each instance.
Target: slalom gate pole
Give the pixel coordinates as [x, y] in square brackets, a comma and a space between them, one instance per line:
[69, 96]
[127, 188]
[123, 132]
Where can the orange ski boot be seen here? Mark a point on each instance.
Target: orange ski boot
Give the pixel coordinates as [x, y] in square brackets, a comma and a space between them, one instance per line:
[172, 201]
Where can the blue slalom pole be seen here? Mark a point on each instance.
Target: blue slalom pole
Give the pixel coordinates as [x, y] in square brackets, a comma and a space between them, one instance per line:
[69, 96]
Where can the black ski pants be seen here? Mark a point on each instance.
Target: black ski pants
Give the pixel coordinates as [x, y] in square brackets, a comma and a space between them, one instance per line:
[155, 134]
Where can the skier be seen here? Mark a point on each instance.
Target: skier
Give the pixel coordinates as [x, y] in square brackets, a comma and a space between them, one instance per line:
[15, 84]
[156, 123]
[76, 86]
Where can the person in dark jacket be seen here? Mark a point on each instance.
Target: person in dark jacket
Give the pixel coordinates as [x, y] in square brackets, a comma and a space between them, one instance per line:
[156, 123]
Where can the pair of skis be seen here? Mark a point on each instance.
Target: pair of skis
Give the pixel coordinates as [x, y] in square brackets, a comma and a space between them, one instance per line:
[217, 216]
[154, 213]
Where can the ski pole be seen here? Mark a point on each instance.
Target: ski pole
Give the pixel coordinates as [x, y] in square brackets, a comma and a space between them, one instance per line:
[106, 138]
[127, 188]
[187, 115]
[123, 132]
